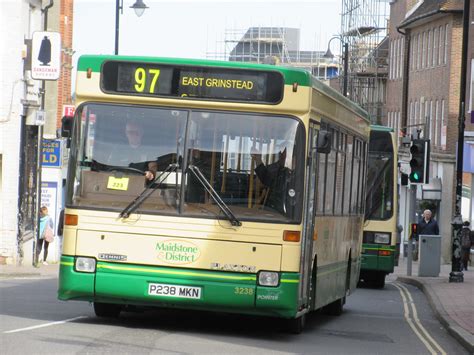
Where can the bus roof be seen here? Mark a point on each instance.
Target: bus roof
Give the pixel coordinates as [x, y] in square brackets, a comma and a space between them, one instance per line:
[379, 128]
[337, 96]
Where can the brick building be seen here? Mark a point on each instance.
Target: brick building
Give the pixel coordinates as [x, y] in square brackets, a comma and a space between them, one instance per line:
[21, 98]
[423, 96]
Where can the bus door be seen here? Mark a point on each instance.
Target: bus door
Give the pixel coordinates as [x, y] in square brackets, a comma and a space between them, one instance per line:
[308, 218]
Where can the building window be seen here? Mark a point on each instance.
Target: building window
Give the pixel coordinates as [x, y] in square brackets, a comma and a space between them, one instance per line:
[444, 127]
[402, 56]
[398, 126]
[419, 54]
[441, 45]
[432, 120]
[429, 49]
[400, 51]
[437, 130]
[427, 119]
[435, 47]
[413, 53]
[422, 117]
[424, 60]
[391, 60]
[395, 58]
[445, 58]
[417, 113]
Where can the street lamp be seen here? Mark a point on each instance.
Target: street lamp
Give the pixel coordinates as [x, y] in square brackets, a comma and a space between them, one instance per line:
[456, 275]
[329, 54]
[139, 8]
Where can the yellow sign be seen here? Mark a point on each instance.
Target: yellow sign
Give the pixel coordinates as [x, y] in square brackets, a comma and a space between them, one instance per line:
[117, 183]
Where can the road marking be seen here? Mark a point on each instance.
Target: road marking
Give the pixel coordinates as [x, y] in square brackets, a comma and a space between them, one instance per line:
[44, 325]
[415, 315]
[415, 323]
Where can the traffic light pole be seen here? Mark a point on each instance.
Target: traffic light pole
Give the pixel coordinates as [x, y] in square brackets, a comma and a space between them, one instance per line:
[412, 219]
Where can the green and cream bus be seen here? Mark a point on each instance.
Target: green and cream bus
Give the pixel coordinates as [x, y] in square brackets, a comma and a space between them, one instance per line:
[379, 250]
[255, 202]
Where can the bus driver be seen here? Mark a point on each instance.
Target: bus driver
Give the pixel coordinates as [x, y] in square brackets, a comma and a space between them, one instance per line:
[134, 155]
[276, 177]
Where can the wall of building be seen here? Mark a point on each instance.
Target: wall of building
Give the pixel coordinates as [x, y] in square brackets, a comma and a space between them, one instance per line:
[433, 98]
[20, 98]
[21, 19]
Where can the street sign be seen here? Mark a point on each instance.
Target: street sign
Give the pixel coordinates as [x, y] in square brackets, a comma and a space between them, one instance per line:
[46, 56]
[40, 118]
[51, 153]
[68, 110]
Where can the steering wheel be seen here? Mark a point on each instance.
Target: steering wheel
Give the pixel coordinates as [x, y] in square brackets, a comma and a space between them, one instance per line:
[125, 168]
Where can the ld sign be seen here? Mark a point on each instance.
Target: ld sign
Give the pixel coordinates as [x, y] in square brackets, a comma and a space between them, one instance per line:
[46, 56]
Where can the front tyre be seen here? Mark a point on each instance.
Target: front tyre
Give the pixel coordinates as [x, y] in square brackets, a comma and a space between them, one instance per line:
[296, 325]
[107, 310]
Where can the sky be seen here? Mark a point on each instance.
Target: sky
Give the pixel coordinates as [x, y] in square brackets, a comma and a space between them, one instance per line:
[197, 28]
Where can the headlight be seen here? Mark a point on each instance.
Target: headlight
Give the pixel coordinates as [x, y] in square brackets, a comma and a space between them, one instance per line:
[382, 238]
[268, 278]
[85, 264]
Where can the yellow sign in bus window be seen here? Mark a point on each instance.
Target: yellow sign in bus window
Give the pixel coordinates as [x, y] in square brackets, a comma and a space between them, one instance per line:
[117, 183]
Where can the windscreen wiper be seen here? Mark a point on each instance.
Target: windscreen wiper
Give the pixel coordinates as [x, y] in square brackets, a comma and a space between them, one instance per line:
[215, 196]
[156, 183]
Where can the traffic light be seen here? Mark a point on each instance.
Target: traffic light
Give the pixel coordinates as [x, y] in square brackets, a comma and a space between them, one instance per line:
[420, 161]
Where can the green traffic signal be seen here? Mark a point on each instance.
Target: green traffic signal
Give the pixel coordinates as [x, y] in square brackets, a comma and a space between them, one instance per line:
[419, 162]
[415, 177]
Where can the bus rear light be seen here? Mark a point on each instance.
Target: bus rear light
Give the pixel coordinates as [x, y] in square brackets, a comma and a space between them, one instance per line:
[71, 219]
[268, 278]
[291, 236]
[385, 252]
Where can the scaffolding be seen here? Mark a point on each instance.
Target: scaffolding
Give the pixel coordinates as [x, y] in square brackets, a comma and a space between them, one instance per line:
[274, 45]
[364, 27]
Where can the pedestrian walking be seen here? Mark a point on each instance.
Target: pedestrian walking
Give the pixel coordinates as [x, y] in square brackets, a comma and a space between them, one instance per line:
[466, 243]
[46, 235]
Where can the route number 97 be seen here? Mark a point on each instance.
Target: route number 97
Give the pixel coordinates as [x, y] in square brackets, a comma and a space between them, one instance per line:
[143, 77]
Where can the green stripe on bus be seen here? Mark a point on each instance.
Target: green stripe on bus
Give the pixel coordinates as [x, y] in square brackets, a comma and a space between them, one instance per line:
[291, 75]
[381, 248]
[172, 272]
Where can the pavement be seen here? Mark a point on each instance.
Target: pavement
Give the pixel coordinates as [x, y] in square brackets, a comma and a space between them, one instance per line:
[453, 303]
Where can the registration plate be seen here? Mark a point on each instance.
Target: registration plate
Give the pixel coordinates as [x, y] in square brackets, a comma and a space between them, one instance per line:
[179, 291]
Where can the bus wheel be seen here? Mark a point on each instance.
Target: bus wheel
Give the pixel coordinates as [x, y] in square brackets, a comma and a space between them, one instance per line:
[335, 308]
[107, 310]
[296, 325]
[379, 280]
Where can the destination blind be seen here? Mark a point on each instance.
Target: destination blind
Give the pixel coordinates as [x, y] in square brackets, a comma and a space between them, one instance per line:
[214, 83]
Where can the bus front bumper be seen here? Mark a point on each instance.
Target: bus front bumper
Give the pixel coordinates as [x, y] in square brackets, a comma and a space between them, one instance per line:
[129, 284]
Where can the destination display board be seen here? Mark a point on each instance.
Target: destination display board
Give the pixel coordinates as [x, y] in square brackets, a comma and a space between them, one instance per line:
[213, 83]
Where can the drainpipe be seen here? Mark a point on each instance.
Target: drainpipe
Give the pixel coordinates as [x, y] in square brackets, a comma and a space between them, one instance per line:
[406, 72]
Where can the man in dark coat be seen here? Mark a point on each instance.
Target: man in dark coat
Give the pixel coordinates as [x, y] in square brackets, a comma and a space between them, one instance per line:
[428, 225]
